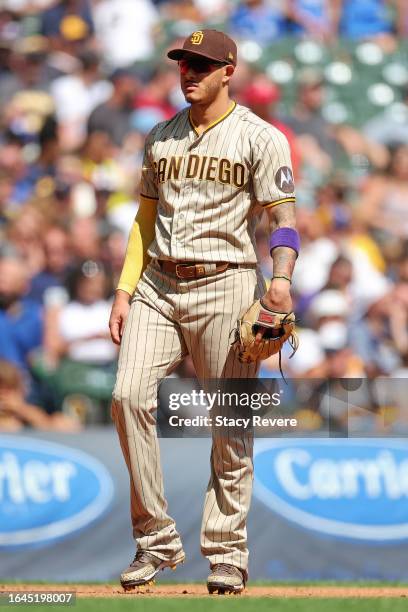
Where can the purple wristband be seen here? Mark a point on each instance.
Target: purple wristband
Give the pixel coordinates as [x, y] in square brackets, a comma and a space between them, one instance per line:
[285, 237]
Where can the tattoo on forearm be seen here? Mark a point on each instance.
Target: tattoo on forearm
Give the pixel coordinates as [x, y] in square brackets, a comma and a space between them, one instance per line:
[284, 260]
[284, 215]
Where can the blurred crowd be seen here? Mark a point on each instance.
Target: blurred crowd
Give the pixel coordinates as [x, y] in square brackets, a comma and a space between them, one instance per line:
[81, 84]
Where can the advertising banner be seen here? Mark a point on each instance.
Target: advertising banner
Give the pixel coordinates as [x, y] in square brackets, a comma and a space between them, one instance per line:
[321, 509]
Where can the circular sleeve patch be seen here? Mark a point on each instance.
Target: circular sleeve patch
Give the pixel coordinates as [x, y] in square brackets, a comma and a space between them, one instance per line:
[284, 180]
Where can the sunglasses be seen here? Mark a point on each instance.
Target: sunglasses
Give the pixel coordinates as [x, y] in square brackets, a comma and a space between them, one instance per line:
[199, 66]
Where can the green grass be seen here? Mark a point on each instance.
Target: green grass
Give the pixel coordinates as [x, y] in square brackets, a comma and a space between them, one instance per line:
[230, 604]
[223, 604]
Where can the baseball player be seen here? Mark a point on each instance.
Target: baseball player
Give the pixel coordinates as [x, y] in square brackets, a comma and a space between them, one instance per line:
[189, 274]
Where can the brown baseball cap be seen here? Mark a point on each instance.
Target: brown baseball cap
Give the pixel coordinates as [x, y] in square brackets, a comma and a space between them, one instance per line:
[211, 44]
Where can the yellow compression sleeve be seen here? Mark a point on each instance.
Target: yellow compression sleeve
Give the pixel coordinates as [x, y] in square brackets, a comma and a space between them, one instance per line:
[140, 238]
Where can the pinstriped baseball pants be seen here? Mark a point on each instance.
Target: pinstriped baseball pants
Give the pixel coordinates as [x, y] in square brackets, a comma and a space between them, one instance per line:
[168, 319]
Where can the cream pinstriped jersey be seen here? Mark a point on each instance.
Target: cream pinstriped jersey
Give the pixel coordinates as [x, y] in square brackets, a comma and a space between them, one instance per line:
[211, 188]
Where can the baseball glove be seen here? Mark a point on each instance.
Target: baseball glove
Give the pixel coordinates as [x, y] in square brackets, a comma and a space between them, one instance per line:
[279, 327]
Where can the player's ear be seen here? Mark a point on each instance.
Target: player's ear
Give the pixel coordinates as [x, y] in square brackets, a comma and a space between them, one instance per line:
[229, 71]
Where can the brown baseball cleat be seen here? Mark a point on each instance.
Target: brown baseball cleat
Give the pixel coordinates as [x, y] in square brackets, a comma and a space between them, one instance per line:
[144, 567]
[225, 579]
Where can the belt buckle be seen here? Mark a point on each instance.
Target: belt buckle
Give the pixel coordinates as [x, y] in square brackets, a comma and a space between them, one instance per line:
[189, 271]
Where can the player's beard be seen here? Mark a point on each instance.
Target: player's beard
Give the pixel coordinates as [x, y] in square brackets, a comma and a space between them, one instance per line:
[204, 93]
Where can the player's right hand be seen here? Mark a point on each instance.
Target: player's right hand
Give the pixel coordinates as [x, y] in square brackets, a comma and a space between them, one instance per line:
[119, 314]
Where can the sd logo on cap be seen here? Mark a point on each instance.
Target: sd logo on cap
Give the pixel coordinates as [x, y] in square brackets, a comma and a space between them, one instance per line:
[197, 37]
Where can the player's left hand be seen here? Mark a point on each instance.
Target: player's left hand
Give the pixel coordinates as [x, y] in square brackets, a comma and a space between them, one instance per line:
[277, 298]
[274, 327]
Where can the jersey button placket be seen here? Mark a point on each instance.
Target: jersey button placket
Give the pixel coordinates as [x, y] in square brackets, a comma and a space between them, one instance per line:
[176, 237]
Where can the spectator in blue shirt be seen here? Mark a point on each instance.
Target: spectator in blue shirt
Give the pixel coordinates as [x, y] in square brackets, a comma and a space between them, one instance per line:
[21, 325]
[314, 18]
[256, 20]
[364, 18]
[56, 266]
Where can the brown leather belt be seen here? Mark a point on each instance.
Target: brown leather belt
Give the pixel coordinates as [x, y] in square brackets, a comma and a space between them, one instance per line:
[190, 270]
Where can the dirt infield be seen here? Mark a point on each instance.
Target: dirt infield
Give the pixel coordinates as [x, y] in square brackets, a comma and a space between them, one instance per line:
[197, 590]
